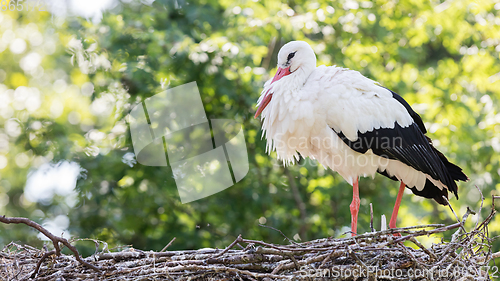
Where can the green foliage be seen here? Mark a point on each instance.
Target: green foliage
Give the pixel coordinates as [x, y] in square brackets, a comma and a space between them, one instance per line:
[443, 58]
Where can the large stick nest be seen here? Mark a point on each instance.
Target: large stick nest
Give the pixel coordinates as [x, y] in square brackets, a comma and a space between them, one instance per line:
[371, 256]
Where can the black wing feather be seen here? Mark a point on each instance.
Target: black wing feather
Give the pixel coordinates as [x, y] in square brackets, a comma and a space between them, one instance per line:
[405, 144]
[413, 114]
[410, 146]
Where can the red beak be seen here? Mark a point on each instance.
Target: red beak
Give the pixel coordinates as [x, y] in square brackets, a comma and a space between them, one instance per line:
[282, 72]
[265, 101]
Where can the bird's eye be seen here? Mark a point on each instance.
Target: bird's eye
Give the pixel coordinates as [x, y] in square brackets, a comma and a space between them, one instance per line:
[291, 55]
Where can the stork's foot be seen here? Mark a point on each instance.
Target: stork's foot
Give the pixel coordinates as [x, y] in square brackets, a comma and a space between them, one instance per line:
[354, 215]
[397, 234]
[393, 225]
[394, 217]
[355, 208]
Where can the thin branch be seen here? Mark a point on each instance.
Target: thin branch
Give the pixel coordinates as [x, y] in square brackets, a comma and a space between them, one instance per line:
[55, 239]
[39, 263]
[229, 247]
[168, 245]
[289, 240]
[480, 206]
[453, 211]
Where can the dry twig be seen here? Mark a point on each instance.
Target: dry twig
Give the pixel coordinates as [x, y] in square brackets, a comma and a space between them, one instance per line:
[55, 240]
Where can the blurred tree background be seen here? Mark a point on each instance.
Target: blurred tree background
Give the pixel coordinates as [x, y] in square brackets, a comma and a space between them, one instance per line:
[67, 82]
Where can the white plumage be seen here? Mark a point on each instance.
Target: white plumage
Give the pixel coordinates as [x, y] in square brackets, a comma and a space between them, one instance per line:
[308, 110]
[300, 119]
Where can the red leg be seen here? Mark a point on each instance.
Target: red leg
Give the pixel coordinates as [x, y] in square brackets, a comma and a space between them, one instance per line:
[355, 208]
[394, 217]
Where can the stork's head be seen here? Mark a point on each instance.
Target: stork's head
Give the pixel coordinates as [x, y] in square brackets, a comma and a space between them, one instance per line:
[295, 55]
[296, 61]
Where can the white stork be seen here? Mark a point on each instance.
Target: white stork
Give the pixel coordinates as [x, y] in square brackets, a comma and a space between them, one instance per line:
[352, 125]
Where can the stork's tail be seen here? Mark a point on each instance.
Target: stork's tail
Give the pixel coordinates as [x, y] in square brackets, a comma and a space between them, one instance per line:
[430, 190]
[454, 172]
